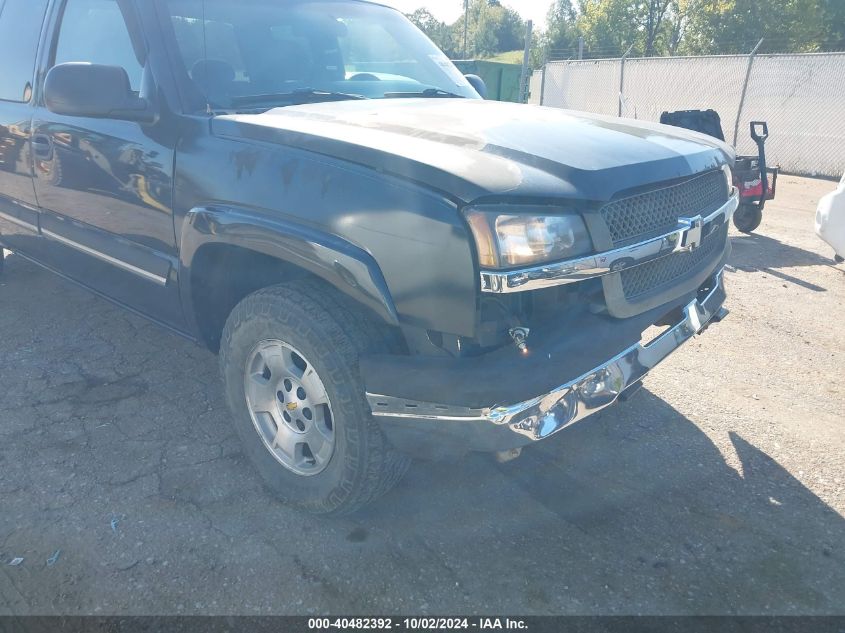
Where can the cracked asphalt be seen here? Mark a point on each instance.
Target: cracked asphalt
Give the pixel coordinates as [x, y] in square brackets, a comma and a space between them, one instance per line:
[718, 490]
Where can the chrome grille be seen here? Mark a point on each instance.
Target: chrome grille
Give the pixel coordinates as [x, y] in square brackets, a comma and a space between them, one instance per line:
[653, 276]
[657, 211]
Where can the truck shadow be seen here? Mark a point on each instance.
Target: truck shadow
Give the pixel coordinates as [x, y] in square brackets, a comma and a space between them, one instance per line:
[637, 505]
[752, 253]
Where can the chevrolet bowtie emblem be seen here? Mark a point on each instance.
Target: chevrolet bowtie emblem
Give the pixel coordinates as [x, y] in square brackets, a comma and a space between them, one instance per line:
[692, 237]
[292, 406]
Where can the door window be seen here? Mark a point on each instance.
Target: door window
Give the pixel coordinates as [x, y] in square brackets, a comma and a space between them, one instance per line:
[20, 29]
[94, 31]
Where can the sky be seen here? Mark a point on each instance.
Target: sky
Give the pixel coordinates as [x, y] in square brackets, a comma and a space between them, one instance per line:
[450, 10]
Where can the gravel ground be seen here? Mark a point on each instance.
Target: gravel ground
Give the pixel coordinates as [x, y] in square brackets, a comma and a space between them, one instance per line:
[718, 490]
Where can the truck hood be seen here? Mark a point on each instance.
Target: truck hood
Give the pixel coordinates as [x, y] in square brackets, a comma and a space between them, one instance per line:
[470, 149]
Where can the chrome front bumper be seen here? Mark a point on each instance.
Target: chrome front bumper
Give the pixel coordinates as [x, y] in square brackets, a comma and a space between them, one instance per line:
[540, 417]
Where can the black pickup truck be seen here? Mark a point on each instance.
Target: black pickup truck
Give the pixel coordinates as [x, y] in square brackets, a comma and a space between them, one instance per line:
[389, 265]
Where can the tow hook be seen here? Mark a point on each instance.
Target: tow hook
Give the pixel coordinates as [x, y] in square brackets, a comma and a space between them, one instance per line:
[720, 316]
[520, 336]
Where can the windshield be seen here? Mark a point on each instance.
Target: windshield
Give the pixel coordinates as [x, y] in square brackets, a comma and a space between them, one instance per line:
[271, 50]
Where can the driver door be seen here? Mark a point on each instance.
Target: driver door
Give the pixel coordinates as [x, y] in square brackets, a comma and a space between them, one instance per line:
[105, 185]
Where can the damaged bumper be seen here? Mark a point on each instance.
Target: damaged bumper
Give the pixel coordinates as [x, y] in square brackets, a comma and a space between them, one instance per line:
[449, 426]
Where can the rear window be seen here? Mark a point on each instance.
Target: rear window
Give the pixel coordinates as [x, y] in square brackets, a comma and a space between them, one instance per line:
[20, 29]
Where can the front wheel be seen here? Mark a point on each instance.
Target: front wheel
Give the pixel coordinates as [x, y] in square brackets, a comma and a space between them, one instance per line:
[748, 218]
[289, 360]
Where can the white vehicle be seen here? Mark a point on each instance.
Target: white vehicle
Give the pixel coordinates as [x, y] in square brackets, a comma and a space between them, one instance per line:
[830, 220]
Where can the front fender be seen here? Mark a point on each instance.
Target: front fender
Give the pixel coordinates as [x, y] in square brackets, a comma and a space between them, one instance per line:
[342, 264]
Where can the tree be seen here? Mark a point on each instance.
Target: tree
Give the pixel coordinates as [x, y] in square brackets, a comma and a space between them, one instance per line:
[508, 25]
[680, 14]
[437, 31]
[652, 27]
[562, 29]
[492, 29]
[833, 15]
[652, 14]
[698, 27]
[609, 27]
[735, 26]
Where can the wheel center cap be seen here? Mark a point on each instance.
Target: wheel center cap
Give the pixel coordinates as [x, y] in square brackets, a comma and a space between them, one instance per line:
[289, 407]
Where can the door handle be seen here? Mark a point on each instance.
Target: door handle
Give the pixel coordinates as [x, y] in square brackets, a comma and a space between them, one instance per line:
[42, 146]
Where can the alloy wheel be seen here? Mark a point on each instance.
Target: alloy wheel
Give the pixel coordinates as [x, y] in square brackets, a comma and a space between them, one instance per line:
[289, 407]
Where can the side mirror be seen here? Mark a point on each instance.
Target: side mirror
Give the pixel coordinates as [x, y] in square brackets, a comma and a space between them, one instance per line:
[93, 90]
[478, 83]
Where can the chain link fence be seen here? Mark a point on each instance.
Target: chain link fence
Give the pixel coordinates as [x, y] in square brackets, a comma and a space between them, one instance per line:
[802, 97]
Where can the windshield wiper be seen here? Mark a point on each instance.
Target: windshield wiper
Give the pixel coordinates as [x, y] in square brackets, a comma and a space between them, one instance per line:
[428, 93]
[295, 97]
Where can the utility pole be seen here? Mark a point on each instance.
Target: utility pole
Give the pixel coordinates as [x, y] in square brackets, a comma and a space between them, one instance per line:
[466, 27]
[622, 78]
[751, 57]
[526, 58]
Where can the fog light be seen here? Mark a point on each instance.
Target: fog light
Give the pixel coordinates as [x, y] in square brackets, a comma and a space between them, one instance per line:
[519, 336]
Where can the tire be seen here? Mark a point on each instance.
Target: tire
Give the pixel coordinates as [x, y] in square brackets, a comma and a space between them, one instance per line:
[748, 218]
[281, 336]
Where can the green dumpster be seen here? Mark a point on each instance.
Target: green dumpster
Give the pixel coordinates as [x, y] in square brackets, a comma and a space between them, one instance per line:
[502, 79]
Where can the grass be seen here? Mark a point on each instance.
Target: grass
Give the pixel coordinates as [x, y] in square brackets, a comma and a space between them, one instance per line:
[511, 57]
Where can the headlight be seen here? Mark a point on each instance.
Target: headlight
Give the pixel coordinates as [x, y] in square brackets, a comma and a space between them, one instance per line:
[519, 237]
